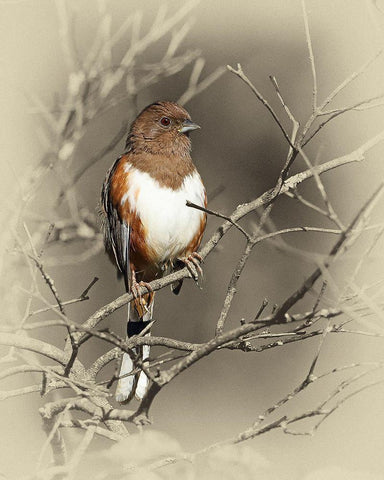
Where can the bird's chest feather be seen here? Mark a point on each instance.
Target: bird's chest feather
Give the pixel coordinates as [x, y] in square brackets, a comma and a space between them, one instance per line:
[168, 225]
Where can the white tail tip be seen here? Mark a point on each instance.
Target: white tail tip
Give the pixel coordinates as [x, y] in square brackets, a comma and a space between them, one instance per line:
[125, 385]
[142, 384]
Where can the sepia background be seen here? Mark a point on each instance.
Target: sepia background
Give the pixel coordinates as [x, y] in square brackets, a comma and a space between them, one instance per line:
[239, 152]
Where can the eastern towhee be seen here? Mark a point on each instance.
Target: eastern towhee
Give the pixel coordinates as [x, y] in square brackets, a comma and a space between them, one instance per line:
[148, 229]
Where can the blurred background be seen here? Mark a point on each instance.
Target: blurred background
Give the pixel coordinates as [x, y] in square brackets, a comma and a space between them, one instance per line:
[239, 152]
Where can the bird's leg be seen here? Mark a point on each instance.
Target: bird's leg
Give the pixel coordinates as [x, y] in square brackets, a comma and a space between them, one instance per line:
[192, 262]
[142, 305]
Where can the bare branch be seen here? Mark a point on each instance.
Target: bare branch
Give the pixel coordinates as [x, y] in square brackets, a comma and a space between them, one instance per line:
[220, 215]
[194, 87]
[239, 72]
[311, 57]
[33, 345]
[232, 287]
[349, 79]
[298, 295]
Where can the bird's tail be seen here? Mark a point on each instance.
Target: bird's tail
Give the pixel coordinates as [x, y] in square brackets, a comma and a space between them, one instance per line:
[136, 385]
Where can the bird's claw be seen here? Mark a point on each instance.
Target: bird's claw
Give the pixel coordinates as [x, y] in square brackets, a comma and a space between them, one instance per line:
[192, 262]
[135, 289]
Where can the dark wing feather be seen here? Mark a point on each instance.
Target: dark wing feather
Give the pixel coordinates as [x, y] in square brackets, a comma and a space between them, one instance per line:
[116, 230]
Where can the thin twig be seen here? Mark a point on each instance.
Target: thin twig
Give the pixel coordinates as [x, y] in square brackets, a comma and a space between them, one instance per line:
[220, 215]
[239, 72]
[311, 57]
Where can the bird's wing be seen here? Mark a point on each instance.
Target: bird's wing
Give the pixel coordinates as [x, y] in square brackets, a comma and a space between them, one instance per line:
[116, 229]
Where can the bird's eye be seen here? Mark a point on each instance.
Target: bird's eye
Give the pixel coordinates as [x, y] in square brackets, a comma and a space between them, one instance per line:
[165, 121]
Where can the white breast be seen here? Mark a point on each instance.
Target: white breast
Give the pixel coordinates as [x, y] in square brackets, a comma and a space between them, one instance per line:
[170, 225]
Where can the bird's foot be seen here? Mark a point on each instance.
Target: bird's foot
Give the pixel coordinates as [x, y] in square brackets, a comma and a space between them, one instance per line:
[142, 304]
[192, 262]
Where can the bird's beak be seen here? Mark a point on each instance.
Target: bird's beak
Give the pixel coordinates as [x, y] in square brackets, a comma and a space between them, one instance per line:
[188, 125]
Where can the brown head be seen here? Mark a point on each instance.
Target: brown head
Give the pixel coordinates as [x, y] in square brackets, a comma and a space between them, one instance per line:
[162, 128]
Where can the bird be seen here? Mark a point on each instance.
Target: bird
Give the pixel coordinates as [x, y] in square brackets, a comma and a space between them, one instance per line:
[148, 228]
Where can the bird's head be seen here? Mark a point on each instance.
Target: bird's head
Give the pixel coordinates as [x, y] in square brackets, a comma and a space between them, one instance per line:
[162, 127]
